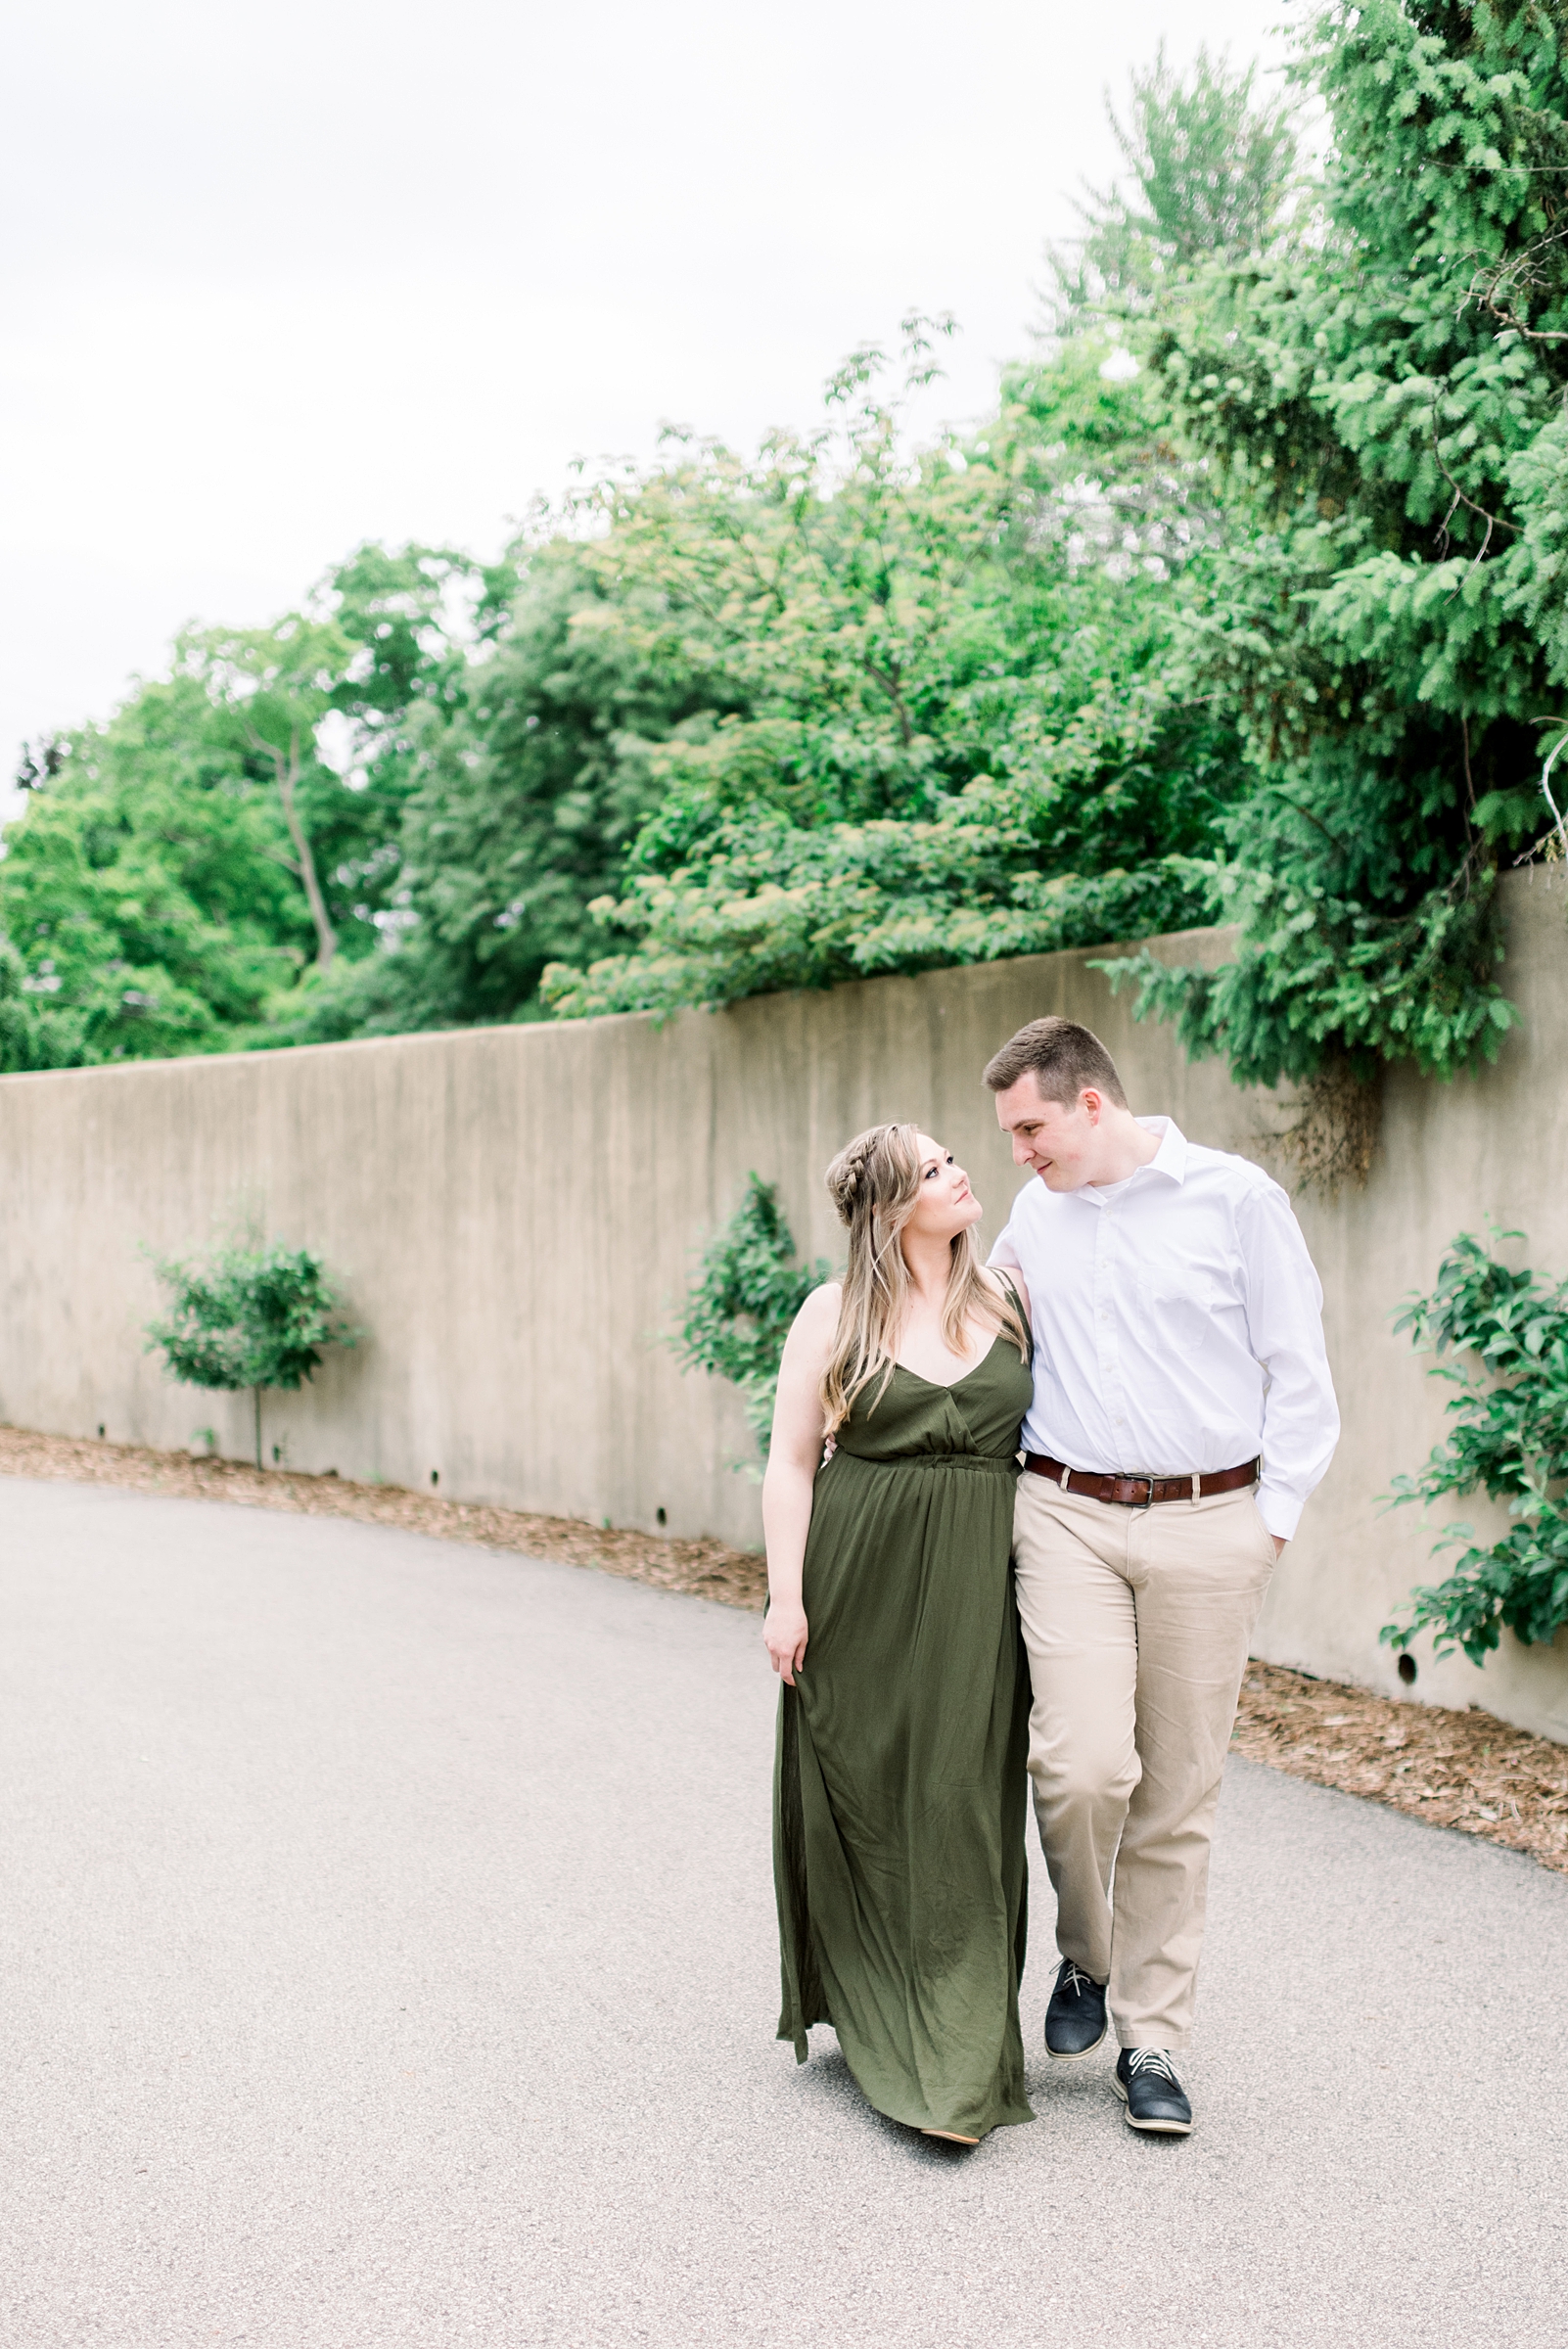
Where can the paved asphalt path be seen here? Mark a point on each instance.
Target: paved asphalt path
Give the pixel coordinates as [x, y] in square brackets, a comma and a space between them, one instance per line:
[388, 1960]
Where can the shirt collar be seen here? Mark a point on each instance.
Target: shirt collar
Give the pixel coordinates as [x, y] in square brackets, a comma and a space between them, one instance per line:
[1171, 1156]
[1170, 1160]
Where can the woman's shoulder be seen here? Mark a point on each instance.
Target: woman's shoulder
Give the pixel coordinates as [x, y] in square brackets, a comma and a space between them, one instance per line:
[1007, 1282]
[818, 1314]
[815, 1325]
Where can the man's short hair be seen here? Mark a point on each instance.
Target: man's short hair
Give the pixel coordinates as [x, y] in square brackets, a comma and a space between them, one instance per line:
[1064, 1057]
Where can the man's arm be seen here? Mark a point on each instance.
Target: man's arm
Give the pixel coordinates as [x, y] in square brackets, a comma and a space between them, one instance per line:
[1004, 1255]
[1285, 1322]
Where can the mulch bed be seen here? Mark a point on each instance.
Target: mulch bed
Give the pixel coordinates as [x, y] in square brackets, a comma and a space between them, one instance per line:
[1454, 1770]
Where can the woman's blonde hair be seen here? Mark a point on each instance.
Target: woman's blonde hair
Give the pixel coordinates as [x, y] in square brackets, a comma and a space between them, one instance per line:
[874, 1183]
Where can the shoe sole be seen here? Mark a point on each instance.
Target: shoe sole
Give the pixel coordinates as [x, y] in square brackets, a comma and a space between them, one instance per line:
[1077, 2054]
[1150, 2128]
[950, 2137]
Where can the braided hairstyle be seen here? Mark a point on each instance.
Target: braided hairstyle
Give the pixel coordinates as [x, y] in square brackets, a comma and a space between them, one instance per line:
[874, 1183]
[879, 1164]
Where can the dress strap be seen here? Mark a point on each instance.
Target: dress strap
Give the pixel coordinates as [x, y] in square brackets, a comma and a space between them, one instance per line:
[1023, 1310]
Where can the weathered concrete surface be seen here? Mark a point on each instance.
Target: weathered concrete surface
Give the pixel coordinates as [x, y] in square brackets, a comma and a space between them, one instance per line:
[388, 1963]
[516, 1212]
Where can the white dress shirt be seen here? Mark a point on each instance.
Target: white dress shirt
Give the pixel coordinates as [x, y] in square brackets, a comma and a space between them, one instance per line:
[1178, 1325]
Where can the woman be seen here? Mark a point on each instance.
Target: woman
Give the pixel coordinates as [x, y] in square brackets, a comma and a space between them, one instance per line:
[899, 1785]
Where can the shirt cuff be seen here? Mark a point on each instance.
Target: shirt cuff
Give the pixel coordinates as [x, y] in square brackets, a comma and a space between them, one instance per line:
[1279, 1510]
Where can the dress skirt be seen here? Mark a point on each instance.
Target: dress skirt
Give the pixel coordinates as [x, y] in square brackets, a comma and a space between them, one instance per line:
[901, 1786]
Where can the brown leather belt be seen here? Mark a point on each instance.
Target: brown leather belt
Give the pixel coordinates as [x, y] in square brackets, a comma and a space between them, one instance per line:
[1138, 1492]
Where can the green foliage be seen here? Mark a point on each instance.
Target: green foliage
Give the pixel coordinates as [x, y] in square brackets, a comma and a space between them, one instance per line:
[144, 889]
[1315, 972]
[1509, 1439]
[1206, 169]
[1382, 393]
[1251, 602]
[178, 868]
[716, 727]
[252, 1318]
[32, 1034]
[523, 807]
[748, 1291]
[947, 735]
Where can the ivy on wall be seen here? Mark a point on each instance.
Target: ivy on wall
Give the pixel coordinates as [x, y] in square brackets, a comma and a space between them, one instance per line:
[1509, 1438]
[739, 1308]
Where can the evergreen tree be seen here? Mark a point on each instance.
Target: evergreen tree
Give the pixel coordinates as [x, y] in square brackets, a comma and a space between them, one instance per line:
[1207, 165]
[1383, 393]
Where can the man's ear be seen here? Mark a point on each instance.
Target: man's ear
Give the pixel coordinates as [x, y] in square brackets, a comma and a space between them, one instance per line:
[1093, 1102]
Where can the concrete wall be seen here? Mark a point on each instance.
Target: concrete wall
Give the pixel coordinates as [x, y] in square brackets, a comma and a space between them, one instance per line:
[516, 1213]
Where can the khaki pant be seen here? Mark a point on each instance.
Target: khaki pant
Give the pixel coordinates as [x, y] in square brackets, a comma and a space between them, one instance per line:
[1137, 1623]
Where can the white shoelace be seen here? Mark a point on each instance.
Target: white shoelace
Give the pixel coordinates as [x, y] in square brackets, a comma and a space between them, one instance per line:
[1075, 1981]
[1151, 2059]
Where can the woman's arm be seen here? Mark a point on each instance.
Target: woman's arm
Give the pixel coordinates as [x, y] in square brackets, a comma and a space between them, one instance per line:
[794, 1454]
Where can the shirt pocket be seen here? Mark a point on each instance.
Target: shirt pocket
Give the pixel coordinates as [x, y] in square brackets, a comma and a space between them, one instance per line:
[1178, 1308]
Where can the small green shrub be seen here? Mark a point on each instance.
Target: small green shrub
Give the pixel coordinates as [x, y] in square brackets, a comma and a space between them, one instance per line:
[748, 1290]
[1509, 1438]
[251, 1319]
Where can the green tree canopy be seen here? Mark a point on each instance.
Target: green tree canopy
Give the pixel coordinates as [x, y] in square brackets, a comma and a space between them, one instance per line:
[179, 867]
[949, 736]
[1248, 603]
[517, 809]
[1207, 162]
[1383, 395]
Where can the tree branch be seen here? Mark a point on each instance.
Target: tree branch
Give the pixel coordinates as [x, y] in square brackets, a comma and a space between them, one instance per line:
[287, 772]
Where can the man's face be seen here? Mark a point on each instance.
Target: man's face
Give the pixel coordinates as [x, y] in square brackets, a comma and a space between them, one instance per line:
[1062, 1140]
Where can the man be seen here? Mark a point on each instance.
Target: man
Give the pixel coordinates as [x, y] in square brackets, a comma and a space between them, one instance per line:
[1184, 1411]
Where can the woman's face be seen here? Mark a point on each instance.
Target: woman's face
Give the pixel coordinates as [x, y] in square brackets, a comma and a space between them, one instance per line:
[944, 1204]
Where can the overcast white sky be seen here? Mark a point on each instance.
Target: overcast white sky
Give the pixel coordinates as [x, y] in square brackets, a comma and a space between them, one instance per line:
[277, 281]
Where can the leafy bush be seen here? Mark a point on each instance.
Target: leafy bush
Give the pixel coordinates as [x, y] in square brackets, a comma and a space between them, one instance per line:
[253, 1318]
[1509, 1439]
[747, 1292]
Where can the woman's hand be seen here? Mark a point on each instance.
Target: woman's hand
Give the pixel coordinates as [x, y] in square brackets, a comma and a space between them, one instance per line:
[785, 1635]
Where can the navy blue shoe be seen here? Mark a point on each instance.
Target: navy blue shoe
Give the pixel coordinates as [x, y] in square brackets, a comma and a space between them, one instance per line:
[1152, 2093]
[1075, 2020]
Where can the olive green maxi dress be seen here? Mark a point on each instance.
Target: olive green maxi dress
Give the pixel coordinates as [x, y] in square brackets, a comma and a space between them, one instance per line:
[900, 1782]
